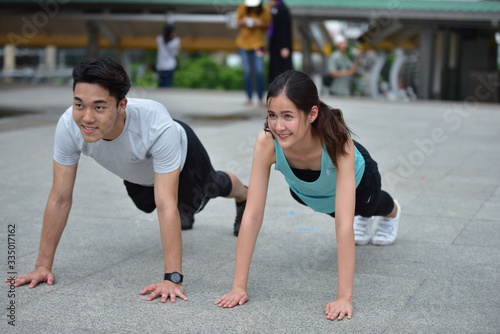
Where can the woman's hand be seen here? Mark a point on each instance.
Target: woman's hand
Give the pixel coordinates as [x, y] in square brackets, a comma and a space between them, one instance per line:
[233, 298]
[339, 309]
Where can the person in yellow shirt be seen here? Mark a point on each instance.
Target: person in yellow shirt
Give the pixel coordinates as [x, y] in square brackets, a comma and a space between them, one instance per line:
[253, 18]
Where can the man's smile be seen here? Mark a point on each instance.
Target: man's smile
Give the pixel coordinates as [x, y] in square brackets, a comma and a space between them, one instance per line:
[88, 129]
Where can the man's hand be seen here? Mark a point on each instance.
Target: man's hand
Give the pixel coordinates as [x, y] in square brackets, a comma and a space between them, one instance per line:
[339, 309]
[233, 298]
[39, 275]
[164, 290]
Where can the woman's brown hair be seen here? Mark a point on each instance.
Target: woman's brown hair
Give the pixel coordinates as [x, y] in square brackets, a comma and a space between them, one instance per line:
[329, 126]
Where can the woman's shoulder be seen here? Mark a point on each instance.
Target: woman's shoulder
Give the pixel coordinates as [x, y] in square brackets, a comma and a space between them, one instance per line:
[241, 8]
[264, 146]
[265, 139]
[176, 40]
[266, 12]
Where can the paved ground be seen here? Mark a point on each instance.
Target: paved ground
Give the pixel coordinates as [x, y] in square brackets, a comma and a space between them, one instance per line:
[440, 160]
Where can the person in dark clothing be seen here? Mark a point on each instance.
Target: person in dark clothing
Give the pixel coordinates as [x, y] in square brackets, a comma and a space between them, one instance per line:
[280, 39]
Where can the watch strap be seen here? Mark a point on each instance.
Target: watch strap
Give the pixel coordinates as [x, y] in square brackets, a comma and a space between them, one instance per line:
[168, 277]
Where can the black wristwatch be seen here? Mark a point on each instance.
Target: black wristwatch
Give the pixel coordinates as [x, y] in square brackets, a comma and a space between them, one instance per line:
[174, 277]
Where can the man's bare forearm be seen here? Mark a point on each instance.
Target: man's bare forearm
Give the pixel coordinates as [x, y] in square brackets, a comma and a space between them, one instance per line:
[54, 221]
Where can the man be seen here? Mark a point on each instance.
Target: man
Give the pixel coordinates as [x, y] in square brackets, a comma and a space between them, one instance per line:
[162, 162]
[341, 69]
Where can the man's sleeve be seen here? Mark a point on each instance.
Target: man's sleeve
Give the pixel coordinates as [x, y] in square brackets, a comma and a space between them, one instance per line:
[166, 151]
[66, 151]
[331, 66]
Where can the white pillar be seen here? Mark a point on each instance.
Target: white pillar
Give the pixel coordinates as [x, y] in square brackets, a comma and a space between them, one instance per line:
[9, 61]
[396, 91]
[50, 57]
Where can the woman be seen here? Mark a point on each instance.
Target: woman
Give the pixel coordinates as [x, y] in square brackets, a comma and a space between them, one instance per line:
[280, 39]
[166, 62]
[253, 18]
[326, 170]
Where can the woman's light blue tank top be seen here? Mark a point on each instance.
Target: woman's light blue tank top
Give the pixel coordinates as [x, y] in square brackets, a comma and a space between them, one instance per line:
[320, 194]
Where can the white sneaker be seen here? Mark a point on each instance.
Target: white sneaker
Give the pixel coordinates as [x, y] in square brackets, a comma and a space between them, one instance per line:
[387, 230]
[362, 230]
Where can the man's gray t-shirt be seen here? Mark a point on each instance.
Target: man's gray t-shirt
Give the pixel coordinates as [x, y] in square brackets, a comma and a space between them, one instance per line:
[339, 61]
[151, 142]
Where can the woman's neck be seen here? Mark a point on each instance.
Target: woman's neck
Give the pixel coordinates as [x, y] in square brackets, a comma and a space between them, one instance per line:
[306, 154]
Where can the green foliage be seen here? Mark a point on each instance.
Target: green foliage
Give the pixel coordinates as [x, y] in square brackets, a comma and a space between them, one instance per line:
[194, 70]
[203, 71]
[143, 76]
[148, 80]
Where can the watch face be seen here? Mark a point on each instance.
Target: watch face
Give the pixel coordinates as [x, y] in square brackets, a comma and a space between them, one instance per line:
[175, 277]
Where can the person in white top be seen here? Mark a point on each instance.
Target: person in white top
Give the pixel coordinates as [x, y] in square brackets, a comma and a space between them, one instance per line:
[162, 162]
[168, 46]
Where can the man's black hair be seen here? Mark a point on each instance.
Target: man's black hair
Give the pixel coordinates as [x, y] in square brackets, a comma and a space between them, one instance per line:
[106, 72]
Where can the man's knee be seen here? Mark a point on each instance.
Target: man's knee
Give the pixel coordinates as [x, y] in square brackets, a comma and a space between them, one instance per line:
[221, 185]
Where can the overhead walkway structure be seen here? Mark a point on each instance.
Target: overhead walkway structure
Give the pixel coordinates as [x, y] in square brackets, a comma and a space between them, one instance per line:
[440, 31]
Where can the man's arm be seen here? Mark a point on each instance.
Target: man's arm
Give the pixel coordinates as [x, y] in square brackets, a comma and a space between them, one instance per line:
[166, 189]
[54, 221]
[333, 65]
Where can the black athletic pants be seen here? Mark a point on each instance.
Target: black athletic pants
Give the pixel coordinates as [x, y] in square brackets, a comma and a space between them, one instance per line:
[198, 181]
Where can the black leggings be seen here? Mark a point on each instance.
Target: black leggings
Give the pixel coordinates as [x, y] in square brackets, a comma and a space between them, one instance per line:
[371, 200]
[198, 181]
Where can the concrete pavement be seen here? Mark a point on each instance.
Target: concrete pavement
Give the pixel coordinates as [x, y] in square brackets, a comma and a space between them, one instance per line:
[440, 160]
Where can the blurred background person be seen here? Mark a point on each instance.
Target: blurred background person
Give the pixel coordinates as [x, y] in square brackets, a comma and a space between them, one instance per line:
[253, 19]
[280, 39]
[168, 46]
[341, 68]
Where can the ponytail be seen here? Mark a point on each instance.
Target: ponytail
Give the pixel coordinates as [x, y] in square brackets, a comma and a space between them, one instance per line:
[332, 130]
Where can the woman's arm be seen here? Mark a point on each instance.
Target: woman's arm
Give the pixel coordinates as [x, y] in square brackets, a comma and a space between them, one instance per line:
[263, 158]
[345, 200]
